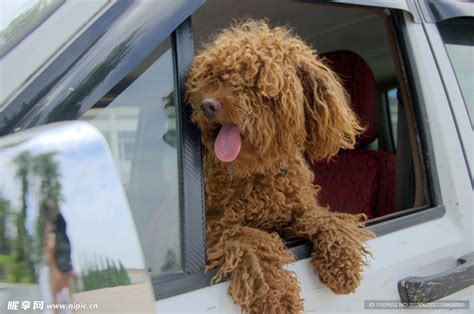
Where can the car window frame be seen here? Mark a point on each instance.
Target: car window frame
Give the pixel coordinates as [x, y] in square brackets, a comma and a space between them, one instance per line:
[301, 249]
[453, 92]
[411, 97]
[190, 180]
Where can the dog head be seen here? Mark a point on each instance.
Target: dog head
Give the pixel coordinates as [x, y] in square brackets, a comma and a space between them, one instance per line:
[260, 94]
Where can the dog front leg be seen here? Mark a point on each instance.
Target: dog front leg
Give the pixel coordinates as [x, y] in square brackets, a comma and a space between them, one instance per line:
[254, 260]
[339, 252]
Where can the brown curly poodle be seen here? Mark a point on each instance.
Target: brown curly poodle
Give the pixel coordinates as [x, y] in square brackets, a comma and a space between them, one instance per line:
[263, 100]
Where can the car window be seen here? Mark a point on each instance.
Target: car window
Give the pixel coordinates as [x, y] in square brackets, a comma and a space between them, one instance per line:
[459, 42]
[140, 127]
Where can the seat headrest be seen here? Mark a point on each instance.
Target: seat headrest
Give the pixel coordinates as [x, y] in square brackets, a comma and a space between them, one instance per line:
[359, 82]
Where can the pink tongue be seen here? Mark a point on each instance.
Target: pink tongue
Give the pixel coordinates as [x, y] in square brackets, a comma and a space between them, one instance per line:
[228, 143]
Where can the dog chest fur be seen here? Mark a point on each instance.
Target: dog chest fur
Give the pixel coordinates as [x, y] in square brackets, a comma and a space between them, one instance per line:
[268, 200]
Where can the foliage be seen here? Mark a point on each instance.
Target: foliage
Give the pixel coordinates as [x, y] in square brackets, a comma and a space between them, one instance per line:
[17, 264]
[25, 17]
[103, 275]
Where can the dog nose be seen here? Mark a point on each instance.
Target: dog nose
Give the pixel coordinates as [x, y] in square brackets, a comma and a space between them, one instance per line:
[210, 107]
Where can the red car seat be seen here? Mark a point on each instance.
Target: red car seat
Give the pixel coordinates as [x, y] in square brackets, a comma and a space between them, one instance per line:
[359, 180]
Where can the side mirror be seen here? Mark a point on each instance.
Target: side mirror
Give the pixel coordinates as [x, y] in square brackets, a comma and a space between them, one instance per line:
[67, 237]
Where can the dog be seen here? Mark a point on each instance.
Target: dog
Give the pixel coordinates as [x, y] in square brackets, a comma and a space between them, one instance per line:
[265, 103]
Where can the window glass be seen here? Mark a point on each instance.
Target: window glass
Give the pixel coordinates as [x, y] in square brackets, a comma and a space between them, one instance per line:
[21, 15]
[361, 59]
[140, 127]
[392, 103]
[458, 37]
[127, 144]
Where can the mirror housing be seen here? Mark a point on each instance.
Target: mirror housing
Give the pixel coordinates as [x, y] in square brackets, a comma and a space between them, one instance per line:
[66, 232]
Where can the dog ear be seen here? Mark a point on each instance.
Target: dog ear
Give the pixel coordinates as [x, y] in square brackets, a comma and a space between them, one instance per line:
[330, 123]
[278, 86]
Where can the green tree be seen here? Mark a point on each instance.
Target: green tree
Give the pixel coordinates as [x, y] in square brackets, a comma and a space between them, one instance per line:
[23, 268]
[124, 279]
[5, 244]
[46, 169]
[15, 26]
[23, 252]
[102, 275]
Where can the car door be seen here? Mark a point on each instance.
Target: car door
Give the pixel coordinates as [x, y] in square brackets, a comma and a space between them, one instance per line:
[430, 242]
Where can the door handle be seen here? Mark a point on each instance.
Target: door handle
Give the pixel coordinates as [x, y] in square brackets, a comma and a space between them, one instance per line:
[430, 288]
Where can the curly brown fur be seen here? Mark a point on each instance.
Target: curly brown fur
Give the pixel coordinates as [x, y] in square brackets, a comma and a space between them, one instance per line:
[285, 103]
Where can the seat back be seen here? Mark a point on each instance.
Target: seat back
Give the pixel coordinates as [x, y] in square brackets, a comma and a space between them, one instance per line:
[359, 82]
[359, 180]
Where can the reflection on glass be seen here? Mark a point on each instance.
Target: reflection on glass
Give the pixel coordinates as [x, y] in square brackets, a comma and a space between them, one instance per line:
[392, 103]
[18, 15]
[458, 37]
[139, 124]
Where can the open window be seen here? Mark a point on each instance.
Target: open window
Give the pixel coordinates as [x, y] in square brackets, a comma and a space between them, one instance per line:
[386, 176]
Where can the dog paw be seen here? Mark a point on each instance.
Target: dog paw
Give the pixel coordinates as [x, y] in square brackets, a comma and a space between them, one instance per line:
[340, 270]
[277, 291]
[284, 294]
[339, 257]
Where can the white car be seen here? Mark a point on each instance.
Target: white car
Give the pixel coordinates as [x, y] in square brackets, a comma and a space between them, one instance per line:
[118, 224]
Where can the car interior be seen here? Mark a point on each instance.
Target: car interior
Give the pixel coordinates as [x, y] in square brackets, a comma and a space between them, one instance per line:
[383, 174]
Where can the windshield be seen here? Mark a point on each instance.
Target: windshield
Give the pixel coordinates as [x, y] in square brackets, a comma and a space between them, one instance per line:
[458, 37]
